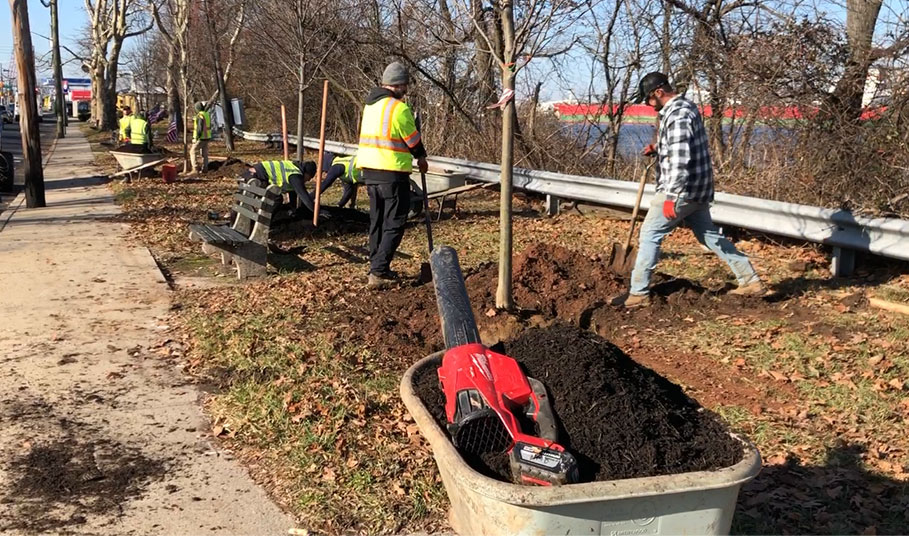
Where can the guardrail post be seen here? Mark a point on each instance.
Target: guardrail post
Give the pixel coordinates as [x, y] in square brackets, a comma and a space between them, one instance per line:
[843, 262]
[552, 205]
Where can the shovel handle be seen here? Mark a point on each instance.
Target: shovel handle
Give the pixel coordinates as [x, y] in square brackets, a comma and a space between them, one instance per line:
[637, 205]
[426, 211]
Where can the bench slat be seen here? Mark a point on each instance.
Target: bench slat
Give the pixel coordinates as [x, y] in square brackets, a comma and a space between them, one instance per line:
[260, 192]
[218, 234]
[255, 203]
[264, 219]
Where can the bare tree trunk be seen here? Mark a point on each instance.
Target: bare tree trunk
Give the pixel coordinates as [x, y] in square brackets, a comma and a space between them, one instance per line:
[28, 115]
[483, 60]
[861, 19]
[173, 92]
[504, 296]
[184, 74]
[219, 74]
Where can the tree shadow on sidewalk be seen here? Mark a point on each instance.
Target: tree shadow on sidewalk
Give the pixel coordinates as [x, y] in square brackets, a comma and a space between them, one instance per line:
[75, 182]
[839, 497]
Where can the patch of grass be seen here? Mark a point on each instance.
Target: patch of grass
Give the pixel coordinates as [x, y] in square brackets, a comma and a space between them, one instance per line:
[327, 415]
[892, 293]
[123, 195]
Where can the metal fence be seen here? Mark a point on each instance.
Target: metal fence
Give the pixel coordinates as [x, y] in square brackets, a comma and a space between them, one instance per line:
[841, 229]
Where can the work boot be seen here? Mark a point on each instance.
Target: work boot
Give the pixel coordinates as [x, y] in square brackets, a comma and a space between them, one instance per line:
[636, 301]
[755, 289]
[378, 282]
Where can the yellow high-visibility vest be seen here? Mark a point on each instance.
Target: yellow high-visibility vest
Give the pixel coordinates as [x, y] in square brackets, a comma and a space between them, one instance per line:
[124, 123]
[137, 128]
[205, 133]
[387, 133]
[278, 171]
[351, 172]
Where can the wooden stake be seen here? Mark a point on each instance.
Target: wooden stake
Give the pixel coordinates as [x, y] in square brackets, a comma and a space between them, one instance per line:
[284, 131]
[318, 178]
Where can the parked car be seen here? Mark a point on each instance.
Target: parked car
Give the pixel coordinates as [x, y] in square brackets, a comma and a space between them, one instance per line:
[83, 110]
[6, 116]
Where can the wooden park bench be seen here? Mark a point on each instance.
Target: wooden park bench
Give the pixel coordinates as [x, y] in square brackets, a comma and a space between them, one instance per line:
[245, 243]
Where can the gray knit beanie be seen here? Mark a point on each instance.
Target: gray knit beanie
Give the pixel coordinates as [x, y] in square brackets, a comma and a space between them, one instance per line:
[395, 75]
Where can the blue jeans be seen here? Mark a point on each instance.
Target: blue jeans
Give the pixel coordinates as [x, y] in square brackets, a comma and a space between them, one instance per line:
[695, 216]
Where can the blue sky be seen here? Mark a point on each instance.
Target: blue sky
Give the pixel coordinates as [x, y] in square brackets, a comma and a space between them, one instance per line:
[72, 18]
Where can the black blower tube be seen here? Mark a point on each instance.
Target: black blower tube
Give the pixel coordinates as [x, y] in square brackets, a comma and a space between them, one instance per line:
[459, 326]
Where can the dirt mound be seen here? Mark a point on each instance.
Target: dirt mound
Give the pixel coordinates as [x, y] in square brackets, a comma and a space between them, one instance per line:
[231, 168]
[551, 283]
[619, 419]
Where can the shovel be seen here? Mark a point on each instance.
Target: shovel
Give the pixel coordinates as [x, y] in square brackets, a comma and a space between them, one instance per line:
[623, 255]
[425, 267]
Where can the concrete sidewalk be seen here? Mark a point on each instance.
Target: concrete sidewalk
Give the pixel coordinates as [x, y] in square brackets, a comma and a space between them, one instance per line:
[99, 432]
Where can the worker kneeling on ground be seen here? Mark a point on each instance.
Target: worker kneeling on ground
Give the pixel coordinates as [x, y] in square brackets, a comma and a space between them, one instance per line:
[290, 176]
[389, 141]
[138, 131]
[684, 191]
[343, 168]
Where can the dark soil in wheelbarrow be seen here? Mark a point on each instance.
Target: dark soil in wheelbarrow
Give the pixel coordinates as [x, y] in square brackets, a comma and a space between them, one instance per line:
[619, 419]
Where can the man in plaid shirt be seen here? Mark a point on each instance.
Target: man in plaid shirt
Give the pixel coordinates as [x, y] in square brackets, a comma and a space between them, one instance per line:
[684, 191]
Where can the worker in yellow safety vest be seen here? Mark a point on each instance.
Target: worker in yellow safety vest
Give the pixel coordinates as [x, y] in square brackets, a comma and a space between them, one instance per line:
[290, 176]
[389, 141]
[201, 136]
[126, 116]
[343, 168]
[139, 133]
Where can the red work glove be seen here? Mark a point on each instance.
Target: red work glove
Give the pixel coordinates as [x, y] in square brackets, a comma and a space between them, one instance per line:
[669, 209]
[650, 150]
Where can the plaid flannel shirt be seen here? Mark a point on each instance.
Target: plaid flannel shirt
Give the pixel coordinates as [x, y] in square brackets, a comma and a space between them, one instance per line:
[685, 171]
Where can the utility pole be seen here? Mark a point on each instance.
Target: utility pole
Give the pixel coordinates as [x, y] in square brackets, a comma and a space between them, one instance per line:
[59, 106]
[28, 111]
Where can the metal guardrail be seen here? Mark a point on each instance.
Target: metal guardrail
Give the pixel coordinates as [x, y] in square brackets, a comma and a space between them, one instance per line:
[888, 237]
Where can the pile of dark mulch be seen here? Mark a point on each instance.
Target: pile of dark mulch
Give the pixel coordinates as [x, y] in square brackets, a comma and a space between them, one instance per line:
[618, 418]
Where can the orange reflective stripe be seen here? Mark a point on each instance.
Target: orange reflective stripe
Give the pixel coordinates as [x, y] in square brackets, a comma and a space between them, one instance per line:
[413, 139]
[379, 143]
[395, 150]
[382, 142]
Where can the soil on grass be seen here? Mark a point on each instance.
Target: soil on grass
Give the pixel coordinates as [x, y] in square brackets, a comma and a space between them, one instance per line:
[230, 168]
[66, 480]
[551, 283]
[619, 419]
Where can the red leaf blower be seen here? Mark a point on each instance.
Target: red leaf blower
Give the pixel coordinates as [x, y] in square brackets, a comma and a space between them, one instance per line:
[490, 404]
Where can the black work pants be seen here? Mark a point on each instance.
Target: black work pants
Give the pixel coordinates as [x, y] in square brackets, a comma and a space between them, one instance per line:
[388, 208]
